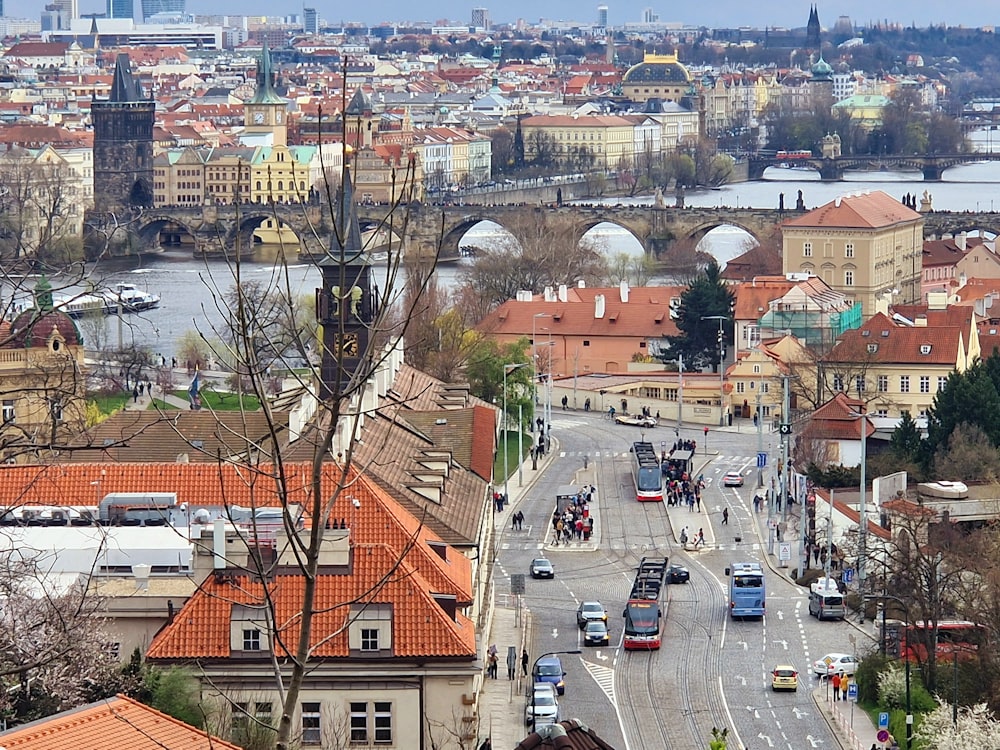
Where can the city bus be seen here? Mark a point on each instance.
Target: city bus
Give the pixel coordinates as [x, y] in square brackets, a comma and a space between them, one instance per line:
[646, 473]
[643, 612]
[747, 597]
[960, 638]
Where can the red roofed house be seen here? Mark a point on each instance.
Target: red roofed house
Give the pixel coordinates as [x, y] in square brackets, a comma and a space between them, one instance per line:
[833, 433]
[590, 330]
[866, 246]
[902, 362]
[111, 724]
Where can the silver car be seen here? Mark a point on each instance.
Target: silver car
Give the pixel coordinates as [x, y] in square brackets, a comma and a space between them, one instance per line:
[542, 708]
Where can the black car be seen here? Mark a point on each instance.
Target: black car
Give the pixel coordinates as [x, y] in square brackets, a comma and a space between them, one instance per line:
[542, 568]
[596, 634]
[677, 573]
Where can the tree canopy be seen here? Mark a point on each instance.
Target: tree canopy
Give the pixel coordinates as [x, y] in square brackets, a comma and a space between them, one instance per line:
[706, 297]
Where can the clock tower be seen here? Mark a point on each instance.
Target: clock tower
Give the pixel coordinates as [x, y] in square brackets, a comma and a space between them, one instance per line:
[265, 112]
[345, 304]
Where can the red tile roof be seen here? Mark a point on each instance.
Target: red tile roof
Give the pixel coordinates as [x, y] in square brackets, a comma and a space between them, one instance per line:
[752, 297]
[421, 627]
[113, 724]
[875, 210]
[896, 344]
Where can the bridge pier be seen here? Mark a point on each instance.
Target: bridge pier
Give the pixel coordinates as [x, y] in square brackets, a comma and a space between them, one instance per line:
[830, 172]
[932, 172]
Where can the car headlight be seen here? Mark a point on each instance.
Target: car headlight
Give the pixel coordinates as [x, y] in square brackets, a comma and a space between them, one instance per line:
[561, 684]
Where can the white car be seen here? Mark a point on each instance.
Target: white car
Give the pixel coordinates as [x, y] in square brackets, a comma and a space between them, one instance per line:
[832, 664]
[542, 708]
[732, 479]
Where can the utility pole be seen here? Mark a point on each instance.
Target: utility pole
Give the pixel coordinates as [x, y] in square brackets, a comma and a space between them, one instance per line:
[760, 442]
[862, 510]
[722, 369]
[786, 430]
[680, 393]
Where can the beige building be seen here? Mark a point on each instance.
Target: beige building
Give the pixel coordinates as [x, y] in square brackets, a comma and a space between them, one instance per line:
[657, 77]
[866, 246]
[600, 140]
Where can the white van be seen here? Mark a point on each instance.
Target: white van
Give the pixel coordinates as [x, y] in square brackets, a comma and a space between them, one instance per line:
[825, 600]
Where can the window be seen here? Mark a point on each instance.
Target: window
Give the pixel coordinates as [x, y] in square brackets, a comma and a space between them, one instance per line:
[872, 348]
[586, 342]
[849, 250]
[765, 387]
[251, 639]
[369, 639]
[942, 382]
[859, 383]
[311, 733]
[57, 411]
[848, 278]
[359, 722]
[8, 411]
[904, 383]
[925, 348]
[883, 383]
[807, 249]
[740, 387]
[925, 383]
[383, 722]
[752, 335]
[756, 369]
[838, 382]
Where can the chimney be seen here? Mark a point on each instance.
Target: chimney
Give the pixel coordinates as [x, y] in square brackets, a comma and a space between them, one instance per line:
[599, 306]
[623, 291]
[960, 240]
[562, 293]
[920, 321]
[962, 279]
[581, 284]
[219, 544]
[549, 294]
[882, 304]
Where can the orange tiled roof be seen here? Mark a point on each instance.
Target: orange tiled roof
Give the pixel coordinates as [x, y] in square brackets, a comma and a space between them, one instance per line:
[873, 210]
[896, 344]
[380, 519]
[421, 627]
[111, 724]
[752, 297]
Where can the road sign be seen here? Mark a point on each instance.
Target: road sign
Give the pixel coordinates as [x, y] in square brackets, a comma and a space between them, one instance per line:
[784, 551]
[517, 583]
[848, 575]
[785, 429]
[761, 460]
[883, 721]
[882, 736]
[852, 691]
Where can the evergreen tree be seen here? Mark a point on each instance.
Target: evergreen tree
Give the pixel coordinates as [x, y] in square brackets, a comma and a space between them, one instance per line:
[906, 441]
[969, 397]
[518, 146]
[698, 341]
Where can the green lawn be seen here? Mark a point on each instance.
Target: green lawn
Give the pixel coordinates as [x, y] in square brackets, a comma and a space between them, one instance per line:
[511, 454]
[223, 401]
[110, 402]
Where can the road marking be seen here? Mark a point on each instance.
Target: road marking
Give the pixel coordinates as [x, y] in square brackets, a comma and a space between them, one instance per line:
[605, 679]
[762, 736]
[814, 741]
[783, 643]
[555, 632]
[799, 713]
[742, 643]
[742, 679]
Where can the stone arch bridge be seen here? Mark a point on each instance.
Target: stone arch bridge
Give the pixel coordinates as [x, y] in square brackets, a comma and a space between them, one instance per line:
[424, 229]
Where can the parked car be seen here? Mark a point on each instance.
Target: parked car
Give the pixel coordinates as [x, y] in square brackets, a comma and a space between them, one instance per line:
[542, 568]
[596, 634]
[589, 611]
[677, 573]
[784, 677]
[550, 669]
[542, 708]
[732, 479]
[832, 664]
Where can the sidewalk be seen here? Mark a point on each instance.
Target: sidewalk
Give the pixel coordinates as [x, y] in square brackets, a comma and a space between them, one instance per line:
[850, 725]
[501, 701]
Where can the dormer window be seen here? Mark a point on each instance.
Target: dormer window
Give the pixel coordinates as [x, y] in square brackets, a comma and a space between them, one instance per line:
[370, 629]
[872, 348]
[866, 333]
[248, 631]
[925, 348]
[885, 334]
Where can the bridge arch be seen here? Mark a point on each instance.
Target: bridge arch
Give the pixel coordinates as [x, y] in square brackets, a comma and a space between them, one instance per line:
[698, 231]
[582, 228]
[451, 238]
[156, 230]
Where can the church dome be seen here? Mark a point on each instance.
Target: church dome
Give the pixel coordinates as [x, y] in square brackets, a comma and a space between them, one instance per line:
[658, 69]
[34, 329]
[822, 70]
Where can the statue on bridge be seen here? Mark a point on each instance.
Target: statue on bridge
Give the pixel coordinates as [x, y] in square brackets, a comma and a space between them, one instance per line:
[926, 203]
[800, 205]
[781, 201]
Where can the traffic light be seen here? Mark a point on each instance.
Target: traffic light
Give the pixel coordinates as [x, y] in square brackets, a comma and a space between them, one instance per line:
[719, 337]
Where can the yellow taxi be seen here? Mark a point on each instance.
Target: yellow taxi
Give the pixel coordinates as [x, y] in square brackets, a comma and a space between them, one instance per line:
[784, 677]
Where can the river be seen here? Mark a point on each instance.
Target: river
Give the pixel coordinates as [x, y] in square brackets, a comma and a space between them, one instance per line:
[193, 290]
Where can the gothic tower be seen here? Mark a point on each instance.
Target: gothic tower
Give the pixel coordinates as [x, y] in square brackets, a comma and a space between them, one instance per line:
[813, 41]
[264, 113]
[345, 304]
[123, 144]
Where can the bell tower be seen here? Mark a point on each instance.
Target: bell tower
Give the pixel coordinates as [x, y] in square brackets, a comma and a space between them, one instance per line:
[345, 304]
[123, 144]
[265, 112]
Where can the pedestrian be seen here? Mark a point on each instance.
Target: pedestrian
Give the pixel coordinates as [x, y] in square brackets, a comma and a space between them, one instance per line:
[524, 662]
[142, 388]
[135, 395]
[725, 516]
[697, 499]
[565, 401]
[836, 686]
[511, 663]
[684, 536]
[700, 539]
[513, 521]
[586, 404]
[845, 682]
[487, 744]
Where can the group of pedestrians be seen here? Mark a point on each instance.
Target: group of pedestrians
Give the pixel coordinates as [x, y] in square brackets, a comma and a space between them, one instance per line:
[517, 521]
[841, 683]
[684, 491]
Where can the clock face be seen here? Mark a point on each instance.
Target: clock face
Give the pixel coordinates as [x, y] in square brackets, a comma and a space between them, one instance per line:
[258, 118]
[349, 344]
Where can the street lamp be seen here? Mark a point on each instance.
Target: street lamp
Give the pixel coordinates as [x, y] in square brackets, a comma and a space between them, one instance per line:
[905, 657]
[862, 510]
[507, 369]
[722, 369]
[534, 674]
[534, 357]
